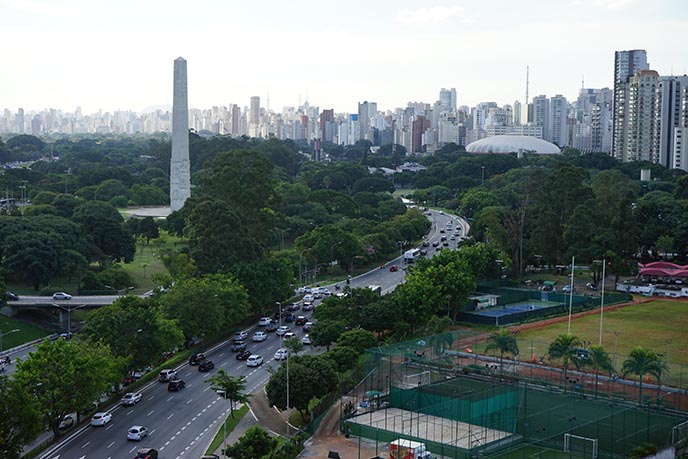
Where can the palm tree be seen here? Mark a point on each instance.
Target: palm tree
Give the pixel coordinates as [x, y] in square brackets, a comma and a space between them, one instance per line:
[564, 347]
[641, 362]
[503, 342]
[232, 388]
[599, 360]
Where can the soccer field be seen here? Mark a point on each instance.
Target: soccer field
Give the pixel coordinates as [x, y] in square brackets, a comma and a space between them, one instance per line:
[659, 325]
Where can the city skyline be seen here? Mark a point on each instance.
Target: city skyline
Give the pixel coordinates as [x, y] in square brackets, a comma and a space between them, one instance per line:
[105, 56]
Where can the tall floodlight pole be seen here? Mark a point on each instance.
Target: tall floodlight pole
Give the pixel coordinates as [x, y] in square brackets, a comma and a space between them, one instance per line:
[573, 267]
[604, 266]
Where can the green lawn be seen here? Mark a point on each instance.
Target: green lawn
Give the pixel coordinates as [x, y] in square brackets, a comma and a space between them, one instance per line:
[25, 334]
[649, 325]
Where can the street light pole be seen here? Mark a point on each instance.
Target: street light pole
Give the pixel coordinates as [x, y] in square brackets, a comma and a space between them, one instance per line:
[332, 251]
[2, 335]
[279, 305]
[288, 352]
[301, 255]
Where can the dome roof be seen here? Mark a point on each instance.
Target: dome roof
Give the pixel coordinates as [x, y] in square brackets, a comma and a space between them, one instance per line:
[513, 144]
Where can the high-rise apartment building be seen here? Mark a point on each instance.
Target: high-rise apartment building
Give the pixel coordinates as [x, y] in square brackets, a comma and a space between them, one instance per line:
[517, 113]
[419, 126]
[541, 116]
[671, 114]
[558, 110]
[327, 126]
[366, 111]
[254, 117]
[626, 65]
[448, 99]
[641, 121]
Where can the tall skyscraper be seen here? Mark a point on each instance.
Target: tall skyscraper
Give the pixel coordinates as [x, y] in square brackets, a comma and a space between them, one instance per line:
[517, 113]
[641, 121]
[366, 111]
[180, 171]
[671, 114]
[558, 115]
[448, 99]
[327, 126]
[626, 64]
[254, 117]
[541, 116]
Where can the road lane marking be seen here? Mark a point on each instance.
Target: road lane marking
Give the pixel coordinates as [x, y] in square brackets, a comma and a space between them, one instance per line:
[110, 445]
[151, 412]
[129, 412]
[168, 417]
[190, 400]
[86, 444]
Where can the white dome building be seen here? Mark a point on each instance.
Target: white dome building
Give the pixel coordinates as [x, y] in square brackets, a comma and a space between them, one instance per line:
[513, 144]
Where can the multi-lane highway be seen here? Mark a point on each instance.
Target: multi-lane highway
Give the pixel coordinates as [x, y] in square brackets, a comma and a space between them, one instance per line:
[183, 423]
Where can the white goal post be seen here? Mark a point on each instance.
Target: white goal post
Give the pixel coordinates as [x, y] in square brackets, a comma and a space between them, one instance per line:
[418, 379]
[567, 443]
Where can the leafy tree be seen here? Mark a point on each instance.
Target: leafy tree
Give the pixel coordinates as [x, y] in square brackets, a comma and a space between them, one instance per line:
[255, 443]
[268, 279]
[599, 360]
[104, 225]
[205, 306]
[640, 362]
[32, 256]
[309, 377]
[503, 342]
[475, 199]
[564, 347]
[219, 237]
[293, 344]
[343, 357]
[231, 388]
[20, 419]
[133, 329]
[359, 340]
[381, 315]
[326, 332]
[56, 368]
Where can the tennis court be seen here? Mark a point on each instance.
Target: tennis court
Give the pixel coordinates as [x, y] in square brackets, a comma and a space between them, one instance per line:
[515, 308]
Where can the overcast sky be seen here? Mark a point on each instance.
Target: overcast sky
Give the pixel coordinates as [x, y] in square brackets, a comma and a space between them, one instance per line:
[119, 54]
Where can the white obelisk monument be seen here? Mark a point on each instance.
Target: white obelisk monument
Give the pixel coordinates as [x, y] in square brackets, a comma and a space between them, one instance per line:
[180, 171]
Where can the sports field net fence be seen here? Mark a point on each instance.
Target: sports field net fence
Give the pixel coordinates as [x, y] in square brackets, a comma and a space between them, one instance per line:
[416, 390]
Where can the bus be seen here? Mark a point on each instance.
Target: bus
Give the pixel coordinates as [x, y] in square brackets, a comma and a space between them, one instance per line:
[411, 255]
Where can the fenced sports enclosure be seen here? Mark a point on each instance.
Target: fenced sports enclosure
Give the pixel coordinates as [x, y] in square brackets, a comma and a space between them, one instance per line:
[427, 391]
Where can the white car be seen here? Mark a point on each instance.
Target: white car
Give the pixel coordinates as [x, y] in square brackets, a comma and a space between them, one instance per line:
[281, 354]
[61, 296]
[288, 335]
[167, 375]
[259, 336]
[240, 335]
[282, 330]
[137, 433]
[264, 321]
[68, 421]
[306, 340]
[254, 360]
[100, 419]
[308, 298]
[131, 398]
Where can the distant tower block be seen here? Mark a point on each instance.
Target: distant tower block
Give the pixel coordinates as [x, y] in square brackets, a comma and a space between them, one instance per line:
[180, 171]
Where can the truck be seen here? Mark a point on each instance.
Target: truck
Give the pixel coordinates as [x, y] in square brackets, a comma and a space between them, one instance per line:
[407, 449]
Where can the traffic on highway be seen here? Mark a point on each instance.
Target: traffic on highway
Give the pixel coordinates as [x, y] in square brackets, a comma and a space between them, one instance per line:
[181, 421]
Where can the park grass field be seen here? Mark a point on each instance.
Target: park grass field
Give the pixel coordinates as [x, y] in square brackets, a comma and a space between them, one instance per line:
[147, 261]
[659, 325]
[26, 333]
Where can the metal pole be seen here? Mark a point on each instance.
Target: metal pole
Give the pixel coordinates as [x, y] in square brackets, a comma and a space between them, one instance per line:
[668, 378]
[573, 268]
[287, 392]
[604, 266]
[279, 305]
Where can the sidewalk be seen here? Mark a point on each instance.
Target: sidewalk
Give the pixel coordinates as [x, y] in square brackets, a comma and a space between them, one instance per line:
[260, 413]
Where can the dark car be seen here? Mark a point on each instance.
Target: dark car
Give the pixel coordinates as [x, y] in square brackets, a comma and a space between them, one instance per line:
[289, 317]
[206, 365]
[128, 379]
[393, 269]
[272, 326]
[435, 244]
[175, 385]
[195, 359]
[146, 453]
[243, 355]
[425, 243]
[238, 346]
[11, 296]
[300, 320]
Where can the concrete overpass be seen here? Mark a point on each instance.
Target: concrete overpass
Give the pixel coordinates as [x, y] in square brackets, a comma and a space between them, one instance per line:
[64, 307]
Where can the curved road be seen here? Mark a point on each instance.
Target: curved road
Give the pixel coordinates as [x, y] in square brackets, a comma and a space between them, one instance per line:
[182, 424]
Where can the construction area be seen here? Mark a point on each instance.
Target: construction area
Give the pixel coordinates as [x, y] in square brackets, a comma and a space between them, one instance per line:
[428, 393]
